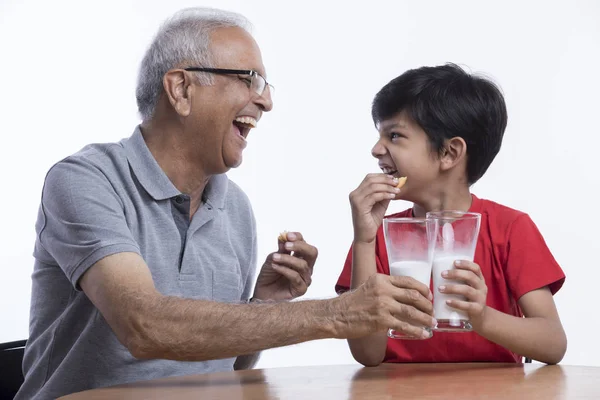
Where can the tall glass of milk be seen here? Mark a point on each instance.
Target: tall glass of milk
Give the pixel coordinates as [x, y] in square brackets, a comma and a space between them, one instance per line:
[409, 244]
[455, 239]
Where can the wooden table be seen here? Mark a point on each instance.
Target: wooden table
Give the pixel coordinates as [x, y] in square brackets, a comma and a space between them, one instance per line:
[388, 381]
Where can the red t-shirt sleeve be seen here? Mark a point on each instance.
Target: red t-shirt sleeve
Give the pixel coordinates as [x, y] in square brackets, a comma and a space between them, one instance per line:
[344, 281]
[530, 265]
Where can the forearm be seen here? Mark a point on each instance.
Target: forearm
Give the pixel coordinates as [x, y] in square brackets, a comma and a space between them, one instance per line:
[542, 339]
[368, 350]
[197, 330]
[363, 263]
[247, 361]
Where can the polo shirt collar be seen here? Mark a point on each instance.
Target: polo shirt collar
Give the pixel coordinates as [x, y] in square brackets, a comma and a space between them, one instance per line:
[156, 182]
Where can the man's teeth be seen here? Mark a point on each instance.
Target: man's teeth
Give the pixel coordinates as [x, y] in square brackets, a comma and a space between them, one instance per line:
[389, 171]
[246, 121]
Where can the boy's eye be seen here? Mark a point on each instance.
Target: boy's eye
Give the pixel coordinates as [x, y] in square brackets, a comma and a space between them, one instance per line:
[395, 135]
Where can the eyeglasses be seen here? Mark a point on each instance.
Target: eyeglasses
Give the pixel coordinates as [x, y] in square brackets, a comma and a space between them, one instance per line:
[256, 81]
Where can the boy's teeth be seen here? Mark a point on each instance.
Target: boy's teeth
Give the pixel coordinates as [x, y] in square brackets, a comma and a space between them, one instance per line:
[247, 120]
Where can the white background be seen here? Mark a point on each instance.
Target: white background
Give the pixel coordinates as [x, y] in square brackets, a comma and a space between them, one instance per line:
[68, 71]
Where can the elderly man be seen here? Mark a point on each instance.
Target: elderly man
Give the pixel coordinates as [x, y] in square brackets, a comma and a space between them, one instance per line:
[145, 252]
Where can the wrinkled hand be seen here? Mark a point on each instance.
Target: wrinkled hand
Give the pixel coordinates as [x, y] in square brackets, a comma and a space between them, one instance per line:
[474, 290]
[369, 203]
[287, 273]
[385, 302]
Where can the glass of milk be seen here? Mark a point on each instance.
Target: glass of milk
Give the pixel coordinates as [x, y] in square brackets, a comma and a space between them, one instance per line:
[455, 239]
[409, 243]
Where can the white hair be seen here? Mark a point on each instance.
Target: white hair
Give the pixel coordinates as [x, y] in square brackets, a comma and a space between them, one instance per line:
[183, 38]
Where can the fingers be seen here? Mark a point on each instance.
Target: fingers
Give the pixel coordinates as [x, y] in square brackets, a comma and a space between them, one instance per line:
[467, 291]
[380, 187]
[471, 308]
[405, 282]
[472, 287]
[377, 183]
[298, 265]
[412, 315]
[377, 197]
[412, 308]
[468, 266]
[298, 285]
[295, 242]
[408, 329]
[413, 298]
[470, 274]
[379, 178]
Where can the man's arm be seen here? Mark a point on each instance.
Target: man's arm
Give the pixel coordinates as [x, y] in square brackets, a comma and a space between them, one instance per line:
[151, 325]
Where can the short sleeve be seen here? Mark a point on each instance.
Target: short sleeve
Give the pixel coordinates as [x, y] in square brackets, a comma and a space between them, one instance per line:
[344, 281]
[530, 265]
[81, 219]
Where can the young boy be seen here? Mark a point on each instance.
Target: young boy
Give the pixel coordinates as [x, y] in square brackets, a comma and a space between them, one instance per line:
[441, 128]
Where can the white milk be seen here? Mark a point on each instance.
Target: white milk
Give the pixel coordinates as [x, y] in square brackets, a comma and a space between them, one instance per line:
[441, 311]
[418, 270]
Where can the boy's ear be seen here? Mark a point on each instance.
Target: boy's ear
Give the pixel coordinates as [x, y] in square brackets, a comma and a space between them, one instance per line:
[453, 153]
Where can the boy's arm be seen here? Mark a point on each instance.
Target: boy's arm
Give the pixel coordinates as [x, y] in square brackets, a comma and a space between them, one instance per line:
[368, 350]
[369, 203]
[539, 336]
[533, 276]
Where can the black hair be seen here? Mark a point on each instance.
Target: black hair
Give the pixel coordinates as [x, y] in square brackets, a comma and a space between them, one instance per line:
[446, 102]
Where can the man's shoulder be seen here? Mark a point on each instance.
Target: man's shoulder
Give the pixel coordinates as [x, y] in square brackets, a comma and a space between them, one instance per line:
[100, 155]
[236, 195]
[97, 159]
[238, 206]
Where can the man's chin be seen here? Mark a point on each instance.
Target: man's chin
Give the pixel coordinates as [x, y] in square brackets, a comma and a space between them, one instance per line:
[233, 163]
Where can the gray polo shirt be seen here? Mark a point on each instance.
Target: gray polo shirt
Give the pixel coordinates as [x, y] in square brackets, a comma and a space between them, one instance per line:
[111, 198]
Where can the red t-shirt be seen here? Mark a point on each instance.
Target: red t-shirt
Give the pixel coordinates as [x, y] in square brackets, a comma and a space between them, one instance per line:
[514, 259]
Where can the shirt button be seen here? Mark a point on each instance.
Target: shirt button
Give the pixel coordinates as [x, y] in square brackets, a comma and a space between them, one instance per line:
[179, 200]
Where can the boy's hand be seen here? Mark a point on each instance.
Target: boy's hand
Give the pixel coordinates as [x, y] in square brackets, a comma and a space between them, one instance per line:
[369, 202]
[474, 290]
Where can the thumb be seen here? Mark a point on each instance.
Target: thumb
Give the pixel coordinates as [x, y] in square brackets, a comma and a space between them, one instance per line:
[281, 239]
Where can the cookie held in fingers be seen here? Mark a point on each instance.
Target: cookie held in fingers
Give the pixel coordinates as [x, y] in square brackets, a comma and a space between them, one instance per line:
[283, 236]
[401, 182]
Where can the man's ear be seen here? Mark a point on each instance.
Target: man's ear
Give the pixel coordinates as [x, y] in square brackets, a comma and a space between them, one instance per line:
[453, 153]
[178, 87]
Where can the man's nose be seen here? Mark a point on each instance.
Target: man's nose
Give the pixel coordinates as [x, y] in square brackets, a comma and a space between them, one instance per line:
[265, 101]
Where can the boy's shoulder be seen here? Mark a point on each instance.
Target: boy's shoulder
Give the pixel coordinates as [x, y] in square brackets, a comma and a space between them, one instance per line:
[498, 214]
[494, 208]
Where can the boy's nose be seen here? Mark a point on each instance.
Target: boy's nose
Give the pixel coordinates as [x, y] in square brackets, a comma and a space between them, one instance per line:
[378, 150]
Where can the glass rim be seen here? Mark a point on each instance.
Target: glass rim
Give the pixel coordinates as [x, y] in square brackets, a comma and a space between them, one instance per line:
[453, 214]
[414, 220]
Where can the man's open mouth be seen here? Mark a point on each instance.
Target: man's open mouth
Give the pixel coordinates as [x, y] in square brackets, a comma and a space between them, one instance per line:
[244, 125]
